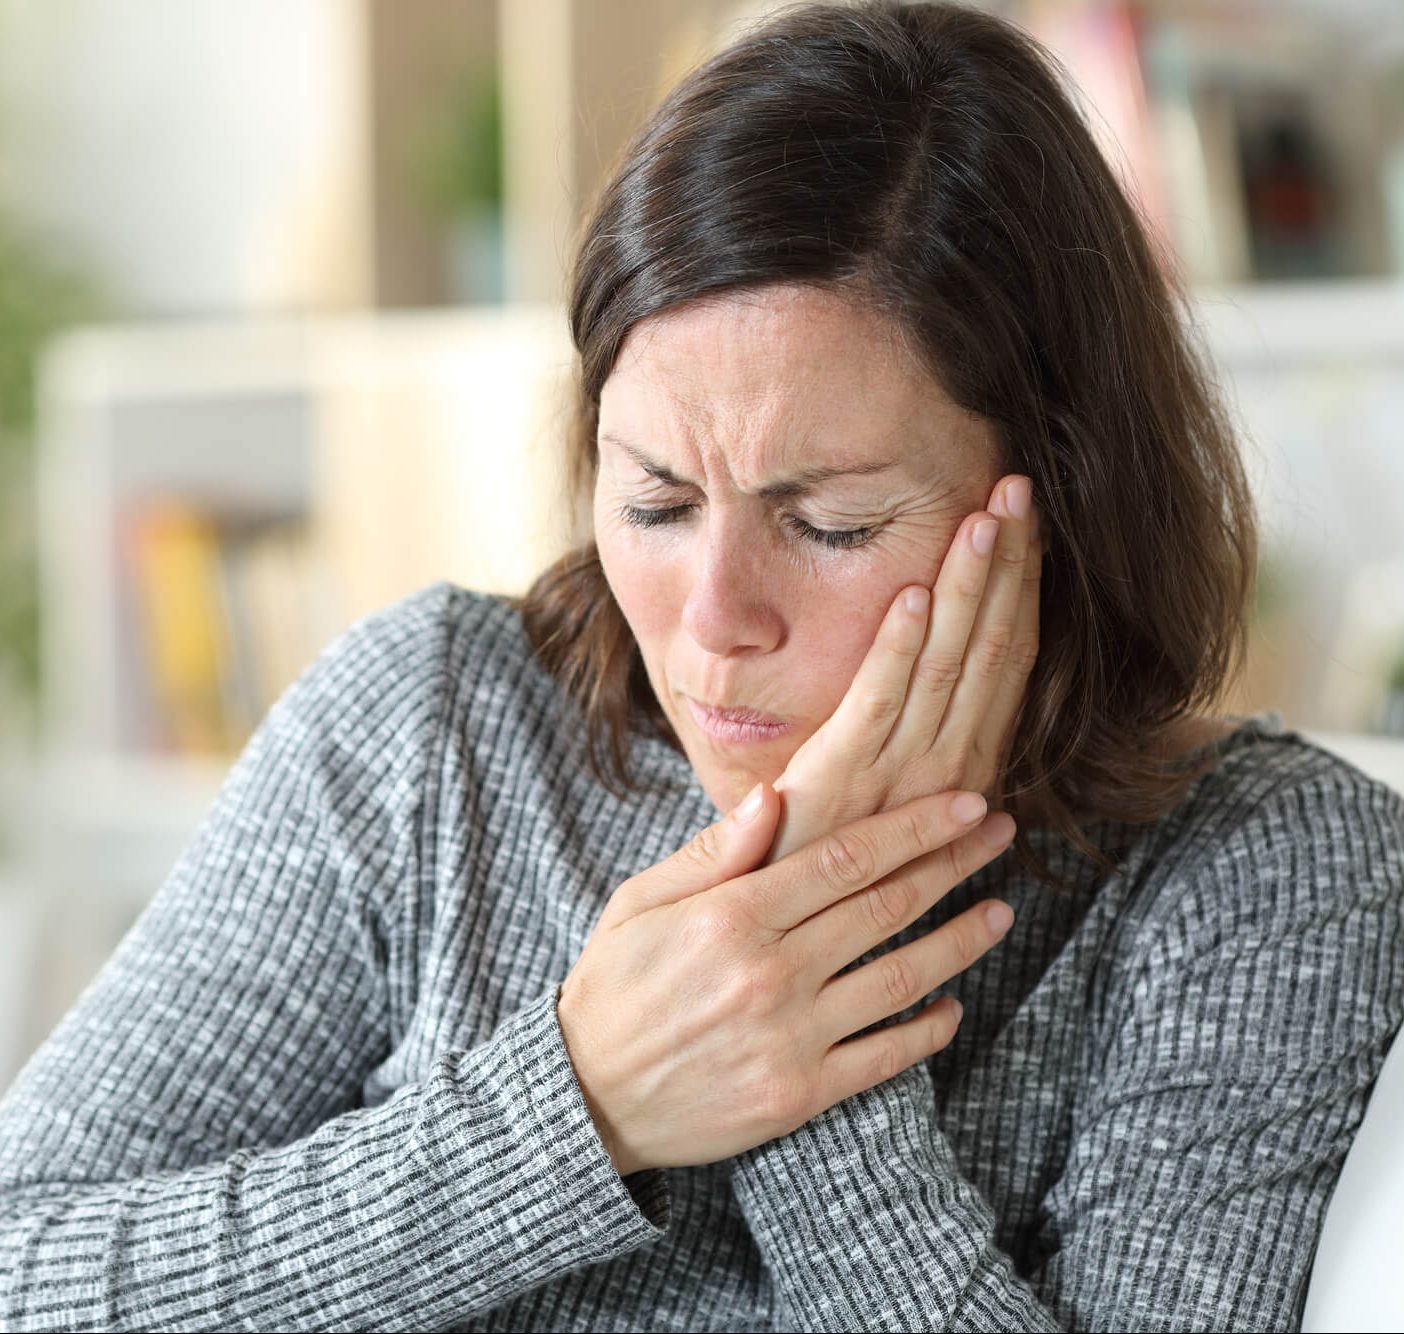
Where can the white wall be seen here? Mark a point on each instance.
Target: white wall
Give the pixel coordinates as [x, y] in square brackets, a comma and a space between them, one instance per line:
[207, 154]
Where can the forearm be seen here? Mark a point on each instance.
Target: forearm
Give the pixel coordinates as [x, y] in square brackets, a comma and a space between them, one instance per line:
[446, 1200]
[865, 1222]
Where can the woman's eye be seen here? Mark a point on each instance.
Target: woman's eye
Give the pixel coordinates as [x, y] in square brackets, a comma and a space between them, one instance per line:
[641, 516]
[830, 537]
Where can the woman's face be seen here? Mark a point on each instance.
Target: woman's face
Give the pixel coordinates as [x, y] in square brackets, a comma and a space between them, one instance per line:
[773, 468]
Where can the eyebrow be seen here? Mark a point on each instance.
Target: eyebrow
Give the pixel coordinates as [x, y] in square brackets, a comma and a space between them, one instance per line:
[800, 482]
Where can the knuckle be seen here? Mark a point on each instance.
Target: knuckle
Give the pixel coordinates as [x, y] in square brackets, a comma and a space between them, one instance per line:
[968, 943]
[716, 926]
[784, 1100]
[940, 672]
[703, 849]
[995, 650]
[899, 981]
[876, 707]
[846, 859]
[888, 904]
[913, 832]
[1010, 556]
[959, 859]
[887, 1060]
[1023, 655]
[757, 988]
[971, 588]
[627, 891]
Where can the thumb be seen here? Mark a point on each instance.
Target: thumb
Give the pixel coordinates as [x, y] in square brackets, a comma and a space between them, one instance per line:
[737, 843]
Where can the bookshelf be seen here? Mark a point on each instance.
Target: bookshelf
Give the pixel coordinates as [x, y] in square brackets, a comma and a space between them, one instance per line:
[270, 482]
[371, 456]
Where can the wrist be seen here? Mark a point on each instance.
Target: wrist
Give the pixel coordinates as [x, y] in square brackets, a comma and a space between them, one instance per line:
[610, 1139]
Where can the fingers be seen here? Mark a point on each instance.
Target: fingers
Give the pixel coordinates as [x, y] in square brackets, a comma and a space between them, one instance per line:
[1003, 643]
[997, 729]
[902, 977]
[860, 725]
[807, 882]
[832, 939]
[960, 589]
[851, 1067]
[721, 852]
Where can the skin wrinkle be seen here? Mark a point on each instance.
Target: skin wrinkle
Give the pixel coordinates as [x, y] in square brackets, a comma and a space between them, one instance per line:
[728, 603]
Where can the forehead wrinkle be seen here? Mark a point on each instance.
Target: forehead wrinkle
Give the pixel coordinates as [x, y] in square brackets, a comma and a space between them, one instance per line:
[796, 484]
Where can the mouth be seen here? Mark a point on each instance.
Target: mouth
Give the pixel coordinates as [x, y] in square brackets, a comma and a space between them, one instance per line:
[737, 725]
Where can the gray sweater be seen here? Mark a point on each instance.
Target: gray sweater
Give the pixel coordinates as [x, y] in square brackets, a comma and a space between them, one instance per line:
[321, 1083]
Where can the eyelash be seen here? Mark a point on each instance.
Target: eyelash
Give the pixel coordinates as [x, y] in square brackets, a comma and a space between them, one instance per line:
[836, 539]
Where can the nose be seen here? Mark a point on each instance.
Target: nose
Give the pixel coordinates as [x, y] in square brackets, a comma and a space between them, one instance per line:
[730, 606]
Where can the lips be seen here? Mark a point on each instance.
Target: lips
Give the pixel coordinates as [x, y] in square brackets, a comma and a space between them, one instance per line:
[739, 715]
[737, 726]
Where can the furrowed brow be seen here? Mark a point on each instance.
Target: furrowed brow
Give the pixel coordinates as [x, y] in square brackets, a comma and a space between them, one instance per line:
[804, 480]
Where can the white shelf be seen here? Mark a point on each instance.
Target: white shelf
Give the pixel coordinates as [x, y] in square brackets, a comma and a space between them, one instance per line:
[1278, 324]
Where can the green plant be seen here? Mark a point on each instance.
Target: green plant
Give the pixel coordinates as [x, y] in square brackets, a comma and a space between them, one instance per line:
[1274, 586]
[1396, 673]
[459, 156]
[40, 294]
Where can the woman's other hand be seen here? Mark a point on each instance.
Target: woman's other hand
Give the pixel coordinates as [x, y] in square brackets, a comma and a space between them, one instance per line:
[934, 704]
[704, 1017]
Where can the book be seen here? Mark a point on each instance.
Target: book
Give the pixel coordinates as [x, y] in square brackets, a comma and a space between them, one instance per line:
[174, 566]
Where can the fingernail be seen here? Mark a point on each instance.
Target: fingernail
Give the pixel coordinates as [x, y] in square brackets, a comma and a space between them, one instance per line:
[1016, 497]
[968, 807]
[916, 600]
[1000, 916]
[983, 538]
[750, 808]
[999, 828]
[957, 1009]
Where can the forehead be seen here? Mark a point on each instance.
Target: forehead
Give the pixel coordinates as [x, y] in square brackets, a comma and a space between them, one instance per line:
[780, 372]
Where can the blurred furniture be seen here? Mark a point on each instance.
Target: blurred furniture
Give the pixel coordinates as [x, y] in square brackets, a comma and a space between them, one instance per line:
[1357, 1284]
[406, 448]
[1356, 1281]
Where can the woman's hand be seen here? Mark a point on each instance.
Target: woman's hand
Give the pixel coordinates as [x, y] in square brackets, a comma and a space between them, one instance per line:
[935, 702]
[704, 1017]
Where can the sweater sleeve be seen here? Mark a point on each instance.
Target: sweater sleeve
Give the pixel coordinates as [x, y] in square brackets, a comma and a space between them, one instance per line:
[864, 1220]
[189, 1148]
[1238, 1036]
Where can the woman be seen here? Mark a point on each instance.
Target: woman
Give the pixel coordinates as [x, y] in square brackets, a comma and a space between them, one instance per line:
[465, 1011]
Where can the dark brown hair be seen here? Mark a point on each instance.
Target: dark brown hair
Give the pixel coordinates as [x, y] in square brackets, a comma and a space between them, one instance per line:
[927, 160]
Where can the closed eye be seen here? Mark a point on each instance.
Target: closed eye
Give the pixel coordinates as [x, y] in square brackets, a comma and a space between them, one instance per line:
[834, 538]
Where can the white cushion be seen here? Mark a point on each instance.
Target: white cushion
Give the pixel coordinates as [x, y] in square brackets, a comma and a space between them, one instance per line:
[1357, 1278]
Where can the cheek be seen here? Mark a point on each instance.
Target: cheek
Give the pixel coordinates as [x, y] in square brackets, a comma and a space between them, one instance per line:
[832, 632]
[644, 592]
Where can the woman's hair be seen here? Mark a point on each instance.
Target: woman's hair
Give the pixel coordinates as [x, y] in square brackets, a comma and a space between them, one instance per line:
[926, 161]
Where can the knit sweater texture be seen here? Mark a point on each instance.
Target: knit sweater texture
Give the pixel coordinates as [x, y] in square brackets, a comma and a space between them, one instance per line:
[321, 1083]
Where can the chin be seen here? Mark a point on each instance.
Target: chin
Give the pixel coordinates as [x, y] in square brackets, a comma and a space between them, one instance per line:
[727, 784]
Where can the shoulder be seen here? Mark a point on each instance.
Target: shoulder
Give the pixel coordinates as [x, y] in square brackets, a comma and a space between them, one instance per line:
[382, 694]
[440, 638]
[1282, 867]
[385, 672]
[1276, 800]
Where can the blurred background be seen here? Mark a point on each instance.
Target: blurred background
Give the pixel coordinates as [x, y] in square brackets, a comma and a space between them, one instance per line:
[281, 341]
